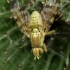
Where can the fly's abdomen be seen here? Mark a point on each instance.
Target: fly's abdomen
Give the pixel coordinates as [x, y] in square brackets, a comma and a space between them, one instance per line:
[35, 20]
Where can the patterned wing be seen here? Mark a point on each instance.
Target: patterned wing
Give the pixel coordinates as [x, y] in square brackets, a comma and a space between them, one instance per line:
[21, 15]
[49, 11]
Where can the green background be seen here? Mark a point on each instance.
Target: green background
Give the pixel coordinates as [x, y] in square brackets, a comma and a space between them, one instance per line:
[15, 47]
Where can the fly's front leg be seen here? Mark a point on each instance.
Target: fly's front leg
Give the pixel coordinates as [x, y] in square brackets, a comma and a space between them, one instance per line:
[45, 47]
[50, 32]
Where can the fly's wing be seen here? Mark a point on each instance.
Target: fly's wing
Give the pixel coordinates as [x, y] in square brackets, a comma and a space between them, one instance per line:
[21, 15]
[49, 11]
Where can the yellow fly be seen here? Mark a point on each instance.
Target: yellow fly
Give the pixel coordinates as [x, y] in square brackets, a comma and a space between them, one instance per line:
[35, 26]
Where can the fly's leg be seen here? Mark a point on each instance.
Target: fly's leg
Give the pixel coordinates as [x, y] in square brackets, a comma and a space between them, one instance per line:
[44, 47]
[50, 32]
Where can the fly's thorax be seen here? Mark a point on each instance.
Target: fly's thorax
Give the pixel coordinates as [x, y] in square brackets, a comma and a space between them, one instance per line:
[36, 37]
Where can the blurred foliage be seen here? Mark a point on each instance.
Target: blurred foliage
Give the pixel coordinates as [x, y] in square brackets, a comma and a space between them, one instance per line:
[15, 47]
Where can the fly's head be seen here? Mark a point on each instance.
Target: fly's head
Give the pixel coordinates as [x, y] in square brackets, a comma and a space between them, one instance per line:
[36, 52]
